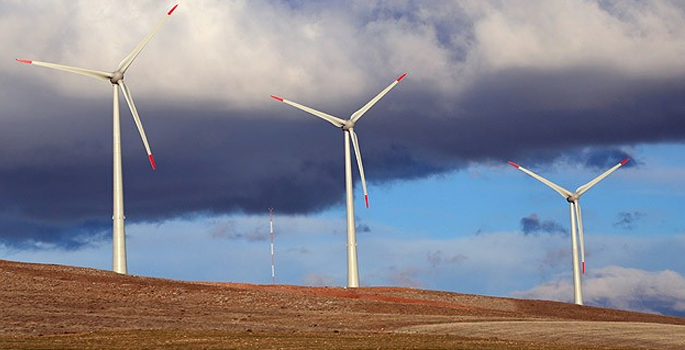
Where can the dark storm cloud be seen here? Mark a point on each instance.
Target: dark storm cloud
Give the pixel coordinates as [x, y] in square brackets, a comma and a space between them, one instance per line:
[532, 225]
[542, 115]
[211, 161]
[55, 168]
[601, 159]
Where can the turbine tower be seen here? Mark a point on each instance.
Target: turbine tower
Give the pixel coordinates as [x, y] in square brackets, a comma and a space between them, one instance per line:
[347, 126]
[116, 78]
[576, 219]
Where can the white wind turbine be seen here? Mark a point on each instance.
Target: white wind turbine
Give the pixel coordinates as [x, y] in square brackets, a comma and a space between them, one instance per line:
[116, 78]
[347, 126]
[576, 219]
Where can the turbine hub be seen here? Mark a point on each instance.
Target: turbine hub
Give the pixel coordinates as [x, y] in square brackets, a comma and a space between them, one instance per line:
[116, 77]
[572, 198]
[348, 125]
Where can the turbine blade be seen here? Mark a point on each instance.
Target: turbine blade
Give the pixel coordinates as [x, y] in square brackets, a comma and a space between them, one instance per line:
[359, 113]
[562, 191]
[99, 75]
[587, 186]
[136, 118]
[327, 117]
[358, 155]
[580, 234]
[128, 60]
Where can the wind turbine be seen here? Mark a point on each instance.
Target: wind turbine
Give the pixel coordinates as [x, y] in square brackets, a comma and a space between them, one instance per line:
[116, 78]
[576, 219]
[347, 126]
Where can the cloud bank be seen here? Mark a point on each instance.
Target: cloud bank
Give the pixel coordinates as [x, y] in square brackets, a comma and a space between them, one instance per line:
[488, 81]
[661, 292]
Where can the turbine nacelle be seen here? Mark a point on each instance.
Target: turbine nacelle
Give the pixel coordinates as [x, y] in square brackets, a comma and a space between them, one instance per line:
[116, 77]
[573, 198]
[349, 124]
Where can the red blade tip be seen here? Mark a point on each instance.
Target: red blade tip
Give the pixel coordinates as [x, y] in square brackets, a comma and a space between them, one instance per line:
[277, 98]
[172, 10]
[583, 267]
[366, 199]
[625, 161]
[152, 162]
[401, 77]
[24, 61]
[514, 165]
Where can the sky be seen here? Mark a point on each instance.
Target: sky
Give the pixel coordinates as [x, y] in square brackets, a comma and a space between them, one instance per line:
[564, 88]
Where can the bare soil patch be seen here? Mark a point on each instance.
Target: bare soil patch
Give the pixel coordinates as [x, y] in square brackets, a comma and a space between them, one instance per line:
[61, 307]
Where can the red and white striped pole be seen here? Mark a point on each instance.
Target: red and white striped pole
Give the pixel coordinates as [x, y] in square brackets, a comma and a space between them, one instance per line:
[271, 229]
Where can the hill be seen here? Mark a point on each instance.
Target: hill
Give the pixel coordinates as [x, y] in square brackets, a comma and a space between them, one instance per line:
[51, 306]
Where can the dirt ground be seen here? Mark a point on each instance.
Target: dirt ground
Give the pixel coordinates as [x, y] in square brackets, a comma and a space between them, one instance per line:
[618, 334]
[62, 307]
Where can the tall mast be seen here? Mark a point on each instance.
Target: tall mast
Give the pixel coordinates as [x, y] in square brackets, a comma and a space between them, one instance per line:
[271, 230]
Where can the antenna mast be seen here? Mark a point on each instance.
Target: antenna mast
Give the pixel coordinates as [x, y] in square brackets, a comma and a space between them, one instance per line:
[271, 229]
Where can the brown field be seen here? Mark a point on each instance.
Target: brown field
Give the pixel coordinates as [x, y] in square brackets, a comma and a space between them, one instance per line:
[61, 307]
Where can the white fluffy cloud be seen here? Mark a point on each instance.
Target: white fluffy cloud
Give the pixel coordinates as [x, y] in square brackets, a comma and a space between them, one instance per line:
[563, 34]
[620, 288]
[236, 53]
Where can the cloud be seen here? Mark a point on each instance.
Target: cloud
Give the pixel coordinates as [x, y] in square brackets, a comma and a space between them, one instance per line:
[618, 287]
[602, 158]
[226, 229]
[436, 258]
[307, 251]
[532, 225]
[538, 80]
[299, 251]
[552, 35]
[553, 259]
[406, 276]
[628, 220]
[363, 228]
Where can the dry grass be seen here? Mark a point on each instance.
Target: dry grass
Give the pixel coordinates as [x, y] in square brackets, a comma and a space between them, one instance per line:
[59, 307]
[184, 339]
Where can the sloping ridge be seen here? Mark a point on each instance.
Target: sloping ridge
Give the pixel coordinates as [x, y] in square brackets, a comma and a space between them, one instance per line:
[52, 299]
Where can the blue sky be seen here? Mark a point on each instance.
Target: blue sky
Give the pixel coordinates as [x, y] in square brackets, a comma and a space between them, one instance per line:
[463, 233]
[565, 89]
